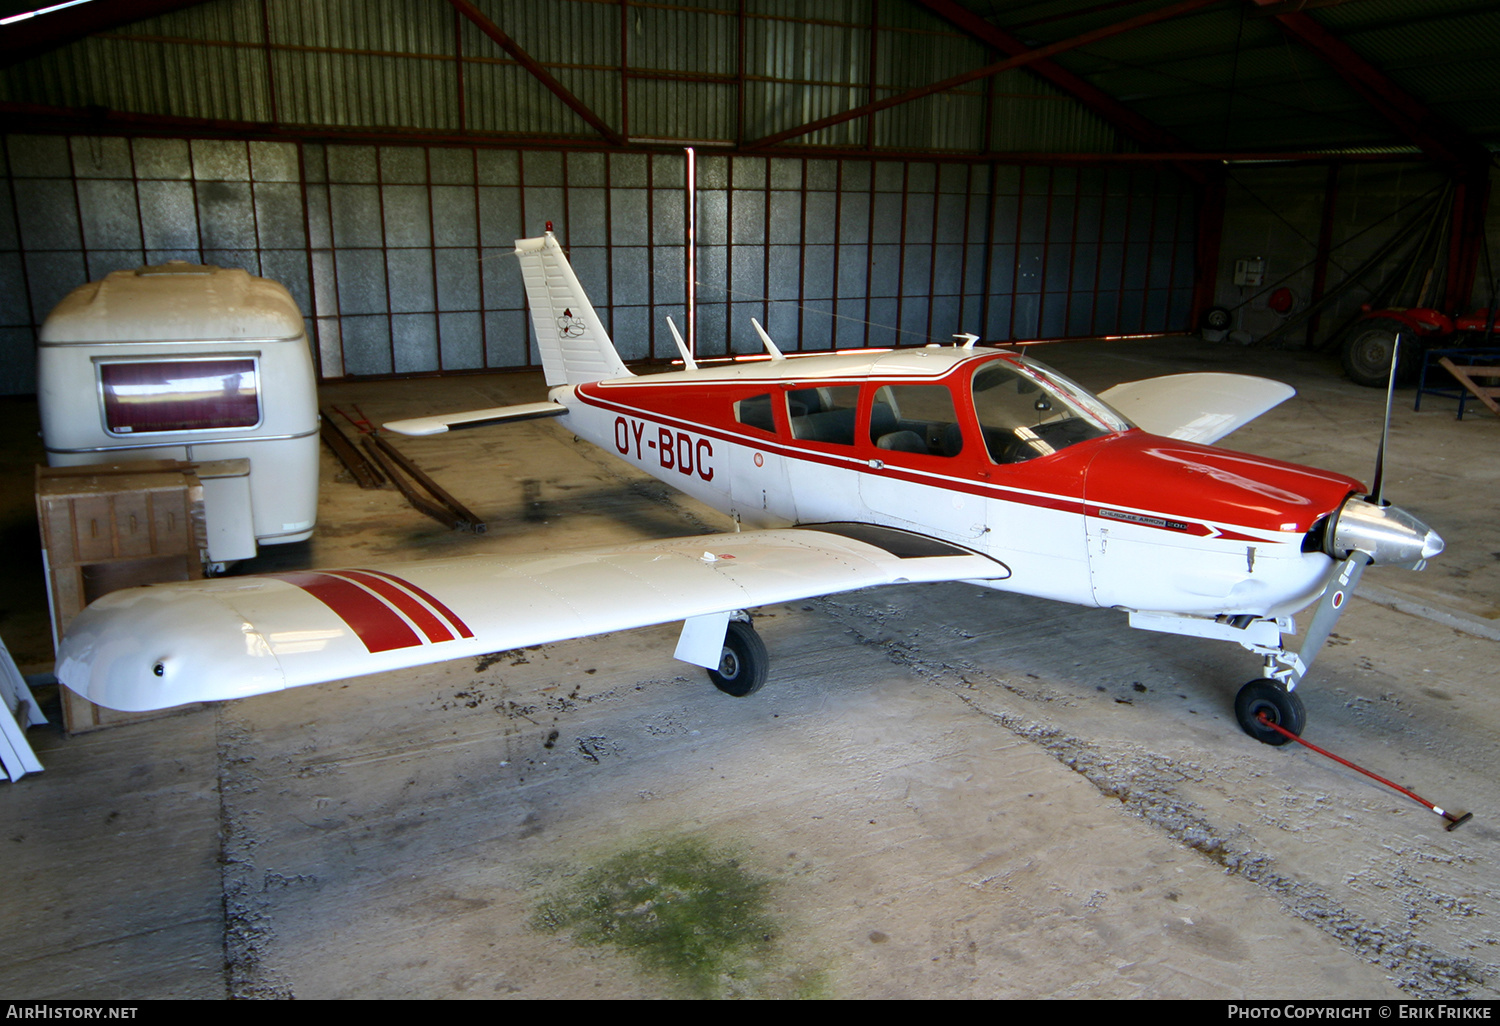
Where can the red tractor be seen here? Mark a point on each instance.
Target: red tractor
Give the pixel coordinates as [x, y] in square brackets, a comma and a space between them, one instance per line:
[1367, 347]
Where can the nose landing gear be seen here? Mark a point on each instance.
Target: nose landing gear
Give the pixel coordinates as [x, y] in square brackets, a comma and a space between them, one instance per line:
[1270, 698]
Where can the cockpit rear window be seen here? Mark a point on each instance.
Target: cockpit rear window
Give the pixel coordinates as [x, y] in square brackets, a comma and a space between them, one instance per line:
[756, 412]
[917, 419]
[824, 414]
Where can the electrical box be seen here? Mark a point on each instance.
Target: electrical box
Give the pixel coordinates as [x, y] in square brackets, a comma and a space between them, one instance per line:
[1250, 271]
[197, 364]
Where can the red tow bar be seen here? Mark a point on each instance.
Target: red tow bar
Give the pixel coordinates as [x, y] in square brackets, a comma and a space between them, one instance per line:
[1455, 819]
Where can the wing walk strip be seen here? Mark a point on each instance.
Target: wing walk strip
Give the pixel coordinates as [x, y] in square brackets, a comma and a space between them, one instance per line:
[384, 611]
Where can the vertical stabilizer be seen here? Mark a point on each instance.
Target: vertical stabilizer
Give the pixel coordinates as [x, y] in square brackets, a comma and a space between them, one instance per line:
[574, 345]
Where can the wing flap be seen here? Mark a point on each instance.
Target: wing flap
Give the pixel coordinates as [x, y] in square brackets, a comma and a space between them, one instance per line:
[169, 644]
[1201, 407]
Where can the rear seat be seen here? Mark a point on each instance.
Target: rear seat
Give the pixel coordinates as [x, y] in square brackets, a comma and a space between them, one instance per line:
[835, 426]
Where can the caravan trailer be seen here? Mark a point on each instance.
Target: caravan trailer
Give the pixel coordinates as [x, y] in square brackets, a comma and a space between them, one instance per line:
[197, 363]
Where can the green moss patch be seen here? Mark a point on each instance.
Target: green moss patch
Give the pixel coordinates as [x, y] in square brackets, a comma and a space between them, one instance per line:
[683, 910]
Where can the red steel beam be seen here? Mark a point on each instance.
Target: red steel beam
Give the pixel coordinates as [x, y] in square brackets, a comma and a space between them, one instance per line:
[1325, 248]
[1020, 60]
[1147, 133]
[1471, 195]
[1440, 140]
[48, 120]
[1418, 123]
[541, 74]
[1211, 200]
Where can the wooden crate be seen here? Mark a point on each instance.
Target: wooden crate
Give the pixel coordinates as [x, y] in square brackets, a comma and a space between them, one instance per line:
[111, 526]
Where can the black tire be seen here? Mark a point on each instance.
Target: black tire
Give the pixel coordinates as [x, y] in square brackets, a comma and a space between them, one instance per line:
[1366, 352]
[1281, 707]
[742, 668]
[1216, 318]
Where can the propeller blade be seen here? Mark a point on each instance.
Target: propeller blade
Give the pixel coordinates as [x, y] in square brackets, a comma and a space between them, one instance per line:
[1330, 607]
[1377, 485]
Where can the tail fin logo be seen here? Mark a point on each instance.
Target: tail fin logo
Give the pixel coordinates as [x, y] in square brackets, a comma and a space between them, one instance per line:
[569, 326]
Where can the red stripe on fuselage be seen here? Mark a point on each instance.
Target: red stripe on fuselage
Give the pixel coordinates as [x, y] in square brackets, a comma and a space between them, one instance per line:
[1066, 504]
[369, 617]
[1044, 500]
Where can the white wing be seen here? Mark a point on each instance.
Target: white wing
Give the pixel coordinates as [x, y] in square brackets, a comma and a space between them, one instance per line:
[168, 644]
[1200, 407]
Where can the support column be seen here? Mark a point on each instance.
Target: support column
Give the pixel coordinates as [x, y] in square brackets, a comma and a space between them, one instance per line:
[1471, 190]
[1325, 246]
[1211, 199]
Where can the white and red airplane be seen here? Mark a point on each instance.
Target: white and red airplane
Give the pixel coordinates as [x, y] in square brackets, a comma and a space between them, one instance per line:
[848, 471]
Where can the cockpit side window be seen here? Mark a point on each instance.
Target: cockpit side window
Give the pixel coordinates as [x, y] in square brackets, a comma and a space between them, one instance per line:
[823, 414]
[1023, 418]
[917, 419]
[756, 412]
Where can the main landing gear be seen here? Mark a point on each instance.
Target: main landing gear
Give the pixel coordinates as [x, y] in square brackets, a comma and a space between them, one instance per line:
[1270, 698]
[742, 667]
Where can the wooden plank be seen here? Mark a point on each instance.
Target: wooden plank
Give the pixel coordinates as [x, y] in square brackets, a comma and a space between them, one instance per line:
[111, 526]
[365, 472]
[466, 515]
[132, 516]
[1465, 376]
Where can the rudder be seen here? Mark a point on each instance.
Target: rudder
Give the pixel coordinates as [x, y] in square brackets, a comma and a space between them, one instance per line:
[575, 347]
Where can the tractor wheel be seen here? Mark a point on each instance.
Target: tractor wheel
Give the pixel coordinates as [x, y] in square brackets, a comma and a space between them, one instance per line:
[1367, 349]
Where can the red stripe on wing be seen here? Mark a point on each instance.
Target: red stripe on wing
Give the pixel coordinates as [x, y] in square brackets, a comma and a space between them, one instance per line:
[371, 619]
[417, 613]
[461, 628]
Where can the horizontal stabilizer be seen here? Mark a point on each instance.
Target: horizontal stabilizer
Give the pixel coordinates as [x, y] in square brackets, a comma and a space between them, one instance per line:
[1201, 407]
[440, 423]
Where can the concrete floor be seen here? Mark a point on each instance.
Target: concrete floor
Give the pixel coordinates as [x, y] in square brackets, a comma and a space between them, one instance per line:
[952, 792]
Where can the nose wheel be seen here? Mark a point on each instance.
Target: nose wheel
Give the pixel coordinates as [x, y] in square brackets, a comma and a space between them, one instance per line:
[742, 667]
[1280, 706]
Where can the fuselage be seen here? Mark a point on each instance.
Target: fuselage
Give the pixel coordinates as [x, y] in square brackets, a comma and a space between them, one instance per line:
[989, 451]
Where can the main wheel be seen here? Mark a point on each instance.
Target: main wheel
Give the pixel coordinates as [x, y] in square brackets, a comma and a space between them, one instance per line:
[1281, 707]
[742, 667]
[1366, 353]
[1216, 318]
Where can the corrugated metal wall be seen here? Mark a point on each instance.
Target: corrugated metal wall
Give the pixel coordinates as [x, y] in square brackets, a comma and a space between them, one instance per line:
[420, 66]
[399, 253]
[1275, 213]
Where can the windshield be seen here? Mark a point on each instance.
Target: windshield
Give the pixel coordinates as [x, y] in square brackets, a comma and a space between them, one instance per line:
[1026, 409]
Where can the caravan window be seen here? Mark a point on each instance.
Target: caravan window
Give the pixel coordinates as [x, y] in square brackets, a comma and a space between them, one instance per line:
[180, 395]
